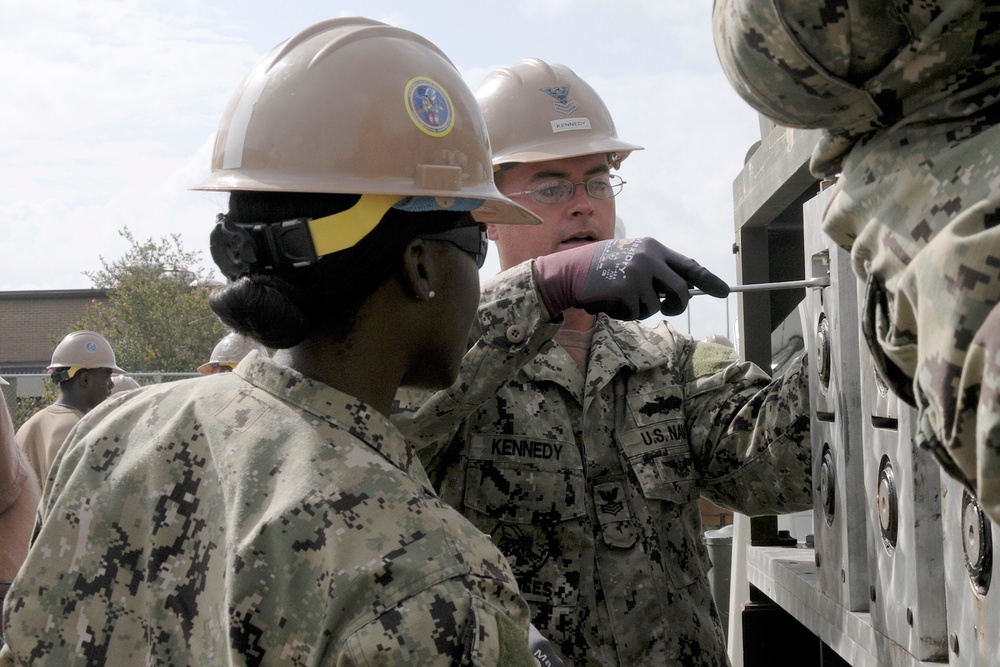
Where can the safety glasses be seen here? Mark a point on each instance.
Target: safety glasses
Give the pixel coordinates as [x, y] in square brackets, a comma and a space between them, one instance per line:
[559, 190]
[470, 239]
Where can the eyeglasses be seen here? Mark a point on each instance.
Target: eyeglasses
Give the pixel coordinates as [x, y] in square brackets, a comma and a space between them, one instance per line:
[557, 191]
[471, 239]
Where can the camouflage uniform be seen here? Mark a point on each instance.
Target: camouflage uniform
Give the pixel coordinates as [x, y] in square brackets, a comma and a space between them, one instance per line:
[907, 95]
[254, 518]
[590, 485]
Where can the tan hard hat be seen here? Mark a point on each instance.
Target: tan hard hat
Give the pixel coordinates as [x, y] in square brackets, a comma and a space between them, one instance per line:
[537, 112]
[83, 349]
[355, 106]
[230, 351]
[123, 383]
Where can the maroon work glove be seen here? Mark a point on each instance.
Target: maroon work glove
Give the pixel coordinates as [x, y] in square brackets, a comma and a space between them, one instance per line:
[629, 279]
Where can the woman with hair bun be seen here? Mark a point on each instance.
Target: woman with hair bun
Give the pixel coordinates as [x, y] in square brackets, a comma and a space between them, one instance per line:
[273, 515]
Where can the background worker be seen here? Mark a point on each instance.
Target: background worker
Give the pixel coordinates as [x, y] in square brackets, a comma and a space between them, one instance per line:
[123, 383]
[229, 352]
[82, 365]
[19, 495]
[273, 515]
[585, 465]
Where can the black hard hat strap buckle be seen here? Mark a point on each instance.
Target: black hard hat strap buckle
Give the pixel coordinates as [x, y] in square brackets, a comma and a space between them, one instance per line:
[242, 248]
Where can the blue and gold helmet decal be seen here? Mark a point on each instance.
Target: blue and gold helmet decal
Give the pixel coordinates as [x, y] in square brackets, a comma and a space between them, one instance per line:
[429, 106]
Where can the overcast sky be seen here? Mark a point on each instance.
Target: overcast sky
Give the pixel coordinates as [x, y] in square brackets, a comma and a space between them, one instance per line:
[109, 109]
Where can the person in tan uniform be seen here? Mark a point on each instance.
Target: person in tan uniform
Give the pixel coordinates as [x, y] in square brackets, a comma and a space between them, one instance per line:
[19, 495]
[82, 365]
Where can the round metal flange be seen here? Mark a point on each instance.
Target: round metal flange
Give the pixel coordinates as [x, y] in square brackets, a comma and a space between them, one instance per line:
[823, 362]
[977, 542]
[828, 485]
[887, 502]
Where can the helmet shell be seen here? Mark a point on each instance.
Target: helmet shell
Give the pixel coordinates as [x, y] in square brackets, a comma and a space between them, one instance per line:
[230, 351]
[84, 349]
[355, 106]
[536, 112]
[123, 383]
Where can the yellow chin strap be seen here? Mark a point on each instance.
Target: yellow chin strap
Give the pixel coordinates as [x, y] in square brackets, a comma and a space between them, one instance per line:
[343, 230]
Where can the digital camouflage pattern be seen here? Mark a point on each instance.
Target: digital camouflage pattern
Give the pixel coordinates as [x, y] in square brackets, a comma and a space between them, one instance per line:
[590, 485]
[912, 129]
[254, 518]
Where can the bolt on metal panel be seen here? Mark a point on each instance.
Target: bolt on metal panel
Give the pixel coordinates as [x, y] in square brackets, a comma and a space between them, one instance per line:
[971, 548]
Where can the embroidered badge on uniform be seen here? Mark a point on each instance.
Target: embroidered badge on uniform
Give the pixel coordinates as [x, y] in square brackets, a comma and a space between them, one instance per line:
[523, 552]
[611, 504]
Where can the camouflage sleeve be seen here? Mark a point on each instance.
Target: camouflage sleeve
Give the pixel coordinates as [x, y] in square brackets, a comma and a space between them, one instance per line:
[930, 261]
[805, 63]
[510, 330]
[748, 431]
[439, 627]
[917, 200]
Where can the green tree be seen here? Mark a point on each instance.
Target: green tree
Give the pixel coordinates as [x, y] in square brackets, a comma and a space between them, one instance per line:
[156, 316]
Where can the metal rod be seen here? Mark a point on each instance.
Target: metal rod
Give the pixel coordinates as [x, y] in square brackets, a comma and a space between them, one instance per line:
[823, 281]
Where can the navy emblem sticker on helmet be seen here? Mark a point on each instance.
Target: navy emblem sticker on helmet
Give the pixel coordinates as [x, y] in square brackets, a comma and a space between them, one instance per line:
[429, 106]
[562, 104]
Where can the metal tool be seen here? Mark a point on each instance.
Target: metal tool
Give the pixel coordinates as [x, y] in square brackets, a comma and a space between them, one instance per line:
[823, 281]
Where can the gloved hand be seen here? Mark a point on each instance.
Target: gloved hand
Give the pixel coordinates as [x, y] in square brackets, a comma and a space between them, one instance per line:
[629, 279]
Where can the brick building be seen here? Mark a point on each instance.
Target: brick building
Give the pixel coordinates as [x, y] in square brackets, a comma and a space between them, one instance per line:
[32, 322]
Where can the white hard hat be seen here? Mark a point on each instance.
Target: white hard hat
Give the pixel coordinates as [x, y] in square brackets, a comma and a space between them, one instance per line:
[124, 383]
[355, 106]
[536, 112]
[230, 351]
[83, 349]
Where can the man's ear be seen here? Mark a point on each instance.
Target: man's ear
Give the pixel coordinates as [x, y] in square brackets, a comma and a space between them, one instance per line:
[83, 378]
[419, 270]
[491, 232]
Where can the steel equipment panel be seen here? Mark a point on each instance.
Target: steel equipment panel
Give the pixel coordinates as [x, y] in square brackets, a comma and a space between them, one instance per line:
[903, 492]
[832, 330]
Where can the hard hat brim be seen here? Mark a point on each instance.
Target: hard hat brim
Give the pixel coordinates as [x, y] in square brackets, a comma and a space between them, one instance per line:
[556, 150]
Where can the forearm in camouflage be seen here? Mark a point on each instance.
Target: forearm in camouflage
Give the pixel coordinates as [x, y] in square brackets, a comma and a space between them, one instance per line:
[749, 432]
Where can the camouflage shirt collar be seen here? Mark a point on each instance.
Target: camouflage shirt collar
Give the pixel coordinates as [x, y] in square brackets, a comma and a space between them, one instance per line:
[615, 345]
[642, 347]
[335, 407]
